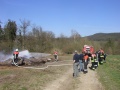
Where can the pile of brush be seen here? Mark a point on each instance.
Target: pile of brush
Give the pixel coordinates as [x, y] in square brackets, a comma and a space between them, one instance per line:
[25, 61]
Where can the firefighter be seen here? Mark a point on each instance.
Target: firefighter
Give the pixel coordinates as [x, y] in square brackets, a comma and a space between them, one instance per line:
[101, 57]
[85, 60]
[90, 57]
[56, 55]
[93, 61]
[101, 51]
[105, 55]
[96, 63]
[15, 54]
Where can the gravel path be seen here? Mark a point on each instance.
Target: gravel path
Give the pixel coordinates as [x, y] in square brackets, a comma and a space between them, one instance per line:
[87, 81]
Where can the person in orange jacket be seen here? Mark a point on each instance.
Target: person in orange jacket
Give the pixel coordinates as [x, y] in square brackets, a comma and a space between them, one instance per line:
[15, 54]
[85, 60]
[93, 61]
[56, 55]
[101, 56]
[101, 51]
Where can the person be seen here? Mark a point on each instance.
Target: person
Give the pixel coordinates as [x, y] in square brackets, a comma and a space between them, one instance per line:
[85, 60]
[81, 66]
[56, 55]
[89, 56]
[105, 55]
[15, 54]
[100, 56]
[93, 61]
[96, 63]
[75, 64]
[101, 51]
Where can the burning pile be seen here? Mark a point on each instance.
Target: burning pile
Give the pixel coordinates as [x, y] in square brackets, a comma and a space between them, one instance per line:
[25, 58]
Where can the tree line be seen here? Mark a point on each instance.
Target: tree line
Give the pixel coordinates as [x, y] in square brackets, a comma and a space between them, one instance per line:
[35, 39]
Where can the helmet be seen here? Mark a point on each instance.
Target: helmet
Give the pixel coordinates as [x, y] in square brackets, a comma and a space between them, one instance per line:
[76, 51]
[16, 50]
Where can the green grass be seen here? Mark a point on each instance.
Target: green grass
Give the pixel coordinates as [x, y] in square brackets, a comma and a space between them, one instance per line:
[109, 73]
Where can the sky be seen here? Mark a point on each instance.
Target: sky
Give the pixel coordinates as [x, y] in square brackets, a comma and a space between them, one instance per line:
[86, 17]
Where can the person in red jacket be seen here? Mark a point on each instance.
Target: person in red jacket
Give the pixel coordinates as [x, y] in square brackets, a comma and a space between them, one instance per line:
[15, 54]
[85, 60]
[56, 55]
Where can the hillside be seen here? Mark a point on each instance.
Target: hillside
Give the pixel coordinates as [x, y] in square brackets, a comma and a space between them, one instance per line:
[104, 36]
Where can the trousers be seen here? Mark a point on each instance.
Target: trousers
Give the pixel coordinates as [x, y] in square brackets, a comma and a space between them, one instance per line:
[75, 69]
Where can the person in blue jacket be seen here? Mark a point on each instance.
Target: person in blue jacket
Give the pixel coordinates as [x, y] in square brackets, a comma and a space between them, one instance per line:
[81, 65]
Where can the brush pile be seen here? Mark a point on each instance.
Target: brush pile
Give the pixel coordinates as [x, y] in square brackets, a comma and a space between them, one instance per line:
[26, 58]
[32, 61]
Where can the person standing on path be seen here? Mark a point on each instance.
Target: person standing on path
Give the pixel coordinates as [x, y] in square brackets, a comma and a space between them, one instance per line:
[85, 60]
[81, 62]
[75, 64]
[93, 61]
[56, 55]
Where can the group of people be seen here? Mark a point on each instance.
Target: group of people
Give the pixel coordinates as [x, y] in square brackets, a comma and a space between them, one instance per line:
[81, 61]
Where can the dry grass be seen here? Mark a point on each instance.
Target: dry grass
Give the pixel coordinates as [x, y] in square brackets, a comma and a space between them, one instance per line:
[14, 78]
[63, 57]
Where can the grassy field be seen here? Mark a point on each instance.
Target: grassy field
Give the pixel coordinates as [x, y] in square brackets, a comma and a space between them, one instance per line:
[109, 73]
[14, 78]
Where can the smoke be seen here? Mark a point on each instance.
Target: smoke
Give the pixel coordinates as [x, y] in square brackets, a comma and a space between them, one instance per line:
[27, 54]
[24, 53]
[39, 55]
[4, 57]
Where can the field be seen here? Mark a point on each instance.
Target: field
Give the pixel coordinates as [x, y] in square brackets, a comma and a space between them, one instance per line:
[109, 73]
[15, 78]
[18, 78]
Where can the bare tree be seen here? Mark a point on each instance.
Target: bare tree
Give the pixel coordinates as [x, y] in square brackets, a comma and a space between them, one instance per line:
[23, 30]
[42, 39]
[75, 35]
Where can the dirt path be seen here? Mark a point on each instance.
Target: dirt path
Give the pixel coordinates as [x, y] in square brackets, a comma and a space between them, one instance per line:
[60, 82]
[87, 81]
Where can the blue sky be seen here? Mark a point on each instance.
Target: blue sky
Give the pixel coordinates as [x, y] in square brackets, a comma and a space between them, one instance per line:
[87, 17]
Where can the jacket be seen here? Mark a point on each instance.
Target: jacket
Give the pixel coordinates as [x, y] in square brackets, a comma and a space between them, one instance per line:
[76, 58]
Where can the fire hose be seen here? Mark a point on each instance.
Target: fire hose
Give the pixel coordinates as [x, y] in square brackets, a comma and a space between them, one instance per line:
[41, 68]
[14, 62]
[46, 66]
